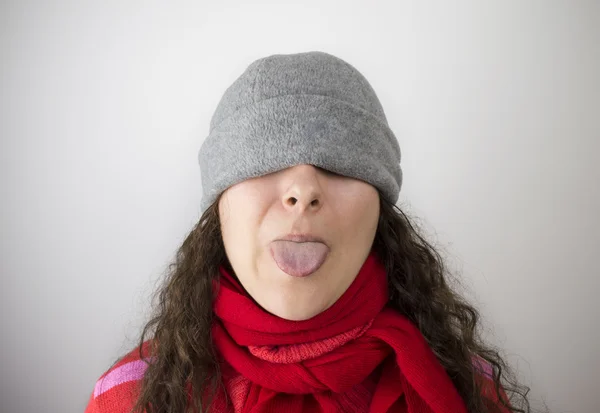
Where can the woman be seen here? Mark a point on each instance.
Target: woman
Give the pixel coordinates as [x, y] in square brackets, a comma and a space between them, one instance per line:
[303, 287]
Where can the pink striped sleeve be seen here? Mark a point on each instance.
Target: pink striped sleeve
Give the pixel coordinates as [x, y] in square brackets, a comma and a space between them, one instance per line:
[131, 371]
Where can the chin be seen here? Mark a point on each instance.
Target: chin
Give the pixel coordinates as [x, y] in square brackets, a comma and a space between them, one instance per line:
[298, 317]
[295, 314]
[293, 303]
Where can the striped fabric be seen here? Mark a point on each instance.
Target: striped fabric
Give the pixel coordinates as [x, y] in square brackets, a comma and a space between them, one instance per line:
[134, 370]
[117, 389]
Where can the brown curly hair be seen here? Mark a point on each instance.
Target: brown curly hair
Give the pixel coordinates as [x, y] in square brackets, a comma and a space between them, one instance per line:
[419, 289]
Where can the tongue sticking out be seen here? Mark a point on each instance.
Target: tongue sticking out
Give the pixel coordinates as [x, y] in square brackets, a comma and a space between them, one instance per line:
[299, 259]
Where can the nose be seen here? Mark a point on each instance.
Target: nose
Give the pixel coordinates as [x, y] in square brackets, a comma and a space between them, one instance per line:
[303, 190]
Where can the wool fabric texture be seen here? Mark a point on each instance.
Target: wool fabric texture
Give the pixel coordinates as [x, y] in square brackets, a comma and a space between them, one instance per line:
[359, 355]
[301, 108]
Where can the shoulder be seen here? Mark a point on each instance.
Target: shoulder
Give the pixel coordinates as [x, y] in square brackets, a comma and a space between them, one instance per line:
[116, 390]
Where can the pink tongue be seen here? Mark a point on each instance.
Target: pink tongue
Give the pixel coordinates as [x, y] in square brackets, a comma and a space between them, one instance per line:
[299, 258]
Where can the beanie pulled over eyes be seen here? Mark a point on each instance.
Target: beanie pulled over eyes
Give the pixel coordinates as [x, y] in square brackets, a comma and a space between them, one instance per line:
[302, 108]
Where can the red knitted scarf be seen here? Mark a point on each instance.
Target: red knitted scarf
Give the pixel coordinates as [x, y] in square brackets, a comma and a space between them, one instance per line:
[357, 356]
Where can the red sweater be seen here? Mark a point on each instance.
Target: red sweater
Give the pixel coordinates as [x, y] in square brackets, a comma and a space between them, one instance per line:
[117, 389]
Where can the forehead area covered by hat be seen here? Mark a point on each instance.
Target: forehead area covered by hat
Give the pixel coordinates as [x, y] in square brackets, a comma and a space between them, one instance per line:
[299, 108]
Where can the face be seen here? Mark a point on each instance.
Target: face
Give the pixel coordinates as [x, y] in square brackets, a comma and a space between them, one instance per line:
[303, 199]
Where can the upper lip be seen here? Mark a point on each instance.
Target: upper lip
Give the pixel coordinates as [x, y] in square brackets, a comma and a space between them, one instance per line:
[304, 237]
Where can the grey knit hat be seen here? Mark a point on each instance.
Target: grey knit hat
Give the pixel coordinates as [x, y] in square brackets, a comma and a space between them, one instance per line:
[303, 108]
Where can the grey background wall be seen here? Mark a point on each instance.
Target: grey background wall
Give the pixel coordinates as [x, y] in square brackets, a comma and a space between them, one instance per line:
[105, 104]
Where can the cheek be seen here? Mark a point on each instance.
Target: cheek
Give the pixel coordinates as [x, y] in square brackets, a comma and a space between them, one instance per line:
[360, 217]
[239, 238]
[355, 200]
[235, 230]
